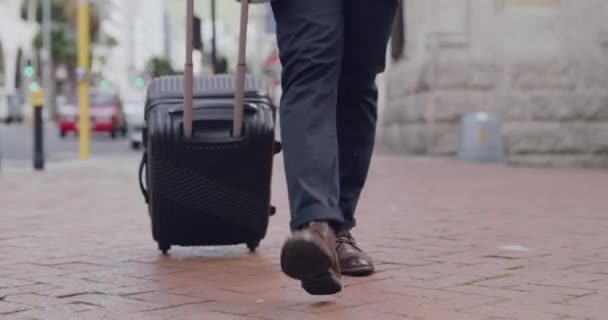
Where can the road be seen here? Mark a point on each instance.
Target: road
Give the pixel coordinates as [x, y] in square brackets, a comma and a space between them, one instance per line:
[16, 144]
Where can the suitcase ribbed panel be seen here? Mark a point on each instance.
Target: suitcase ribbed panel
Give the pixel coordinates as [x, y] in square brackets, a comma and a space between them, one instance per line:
[209, 193]
[194, 209]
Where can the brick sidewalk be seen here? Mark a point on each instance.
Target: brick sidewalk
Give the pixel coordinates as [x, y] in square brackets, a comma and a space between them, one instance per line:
[452, 241]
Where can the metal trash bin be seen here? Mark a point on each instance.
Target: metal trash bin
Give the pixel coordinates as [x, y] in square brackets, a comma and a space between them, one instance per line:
[481, 138]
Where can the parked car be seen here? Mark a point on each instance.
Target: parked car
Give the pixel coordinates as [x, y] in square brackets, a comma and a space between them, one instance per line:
[134, 105]
[106, 114]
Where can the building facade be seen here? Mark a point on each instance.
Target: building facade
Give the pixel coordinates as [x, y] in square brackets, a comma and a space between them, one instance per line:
[541, 65]
[16, 48]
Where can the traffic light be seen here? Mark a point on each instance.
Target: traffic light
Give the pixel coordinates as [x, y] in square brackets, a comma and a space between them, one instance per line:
[34, 86]
[140, 82]
[29, 71]
[105, 83]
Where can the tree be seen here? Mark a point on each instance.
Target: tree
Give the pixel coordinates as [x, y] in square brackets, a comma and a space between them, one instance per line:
[159, 67]
[64, 32]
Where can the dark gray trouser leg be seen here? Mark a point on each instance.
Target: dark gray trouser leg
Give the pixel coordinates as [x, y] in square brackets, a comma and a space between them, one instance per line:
[310, 38]
[367, 27]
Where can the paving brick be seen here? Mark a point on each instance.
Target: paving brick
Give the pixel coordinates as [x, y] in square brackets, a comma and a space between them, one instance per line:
[590, 300]
[595, 313]
[363, 313]
[599, 285]
[487, 291]
[66, 311]
[567, 291]
[8, 307]
[433, 312]
[25, 289]
[165, 298]
[347, 299]
[511, 313]
[113, 302]
[463, 302]
[434, 294]
[8, 283]
[175, 311]
[213, 315]
[145, 288]
[33, 300]
[598, 268]
[402, 306]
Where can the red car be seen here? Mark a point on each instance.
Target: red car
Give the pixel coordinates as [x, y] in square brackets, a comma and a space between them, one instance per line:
[105, 111]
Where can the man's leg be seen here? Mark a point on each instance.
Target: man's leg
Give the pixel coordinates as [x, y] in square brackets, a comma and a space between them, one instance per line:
[310, 37]
[310, 44]
[367, 30]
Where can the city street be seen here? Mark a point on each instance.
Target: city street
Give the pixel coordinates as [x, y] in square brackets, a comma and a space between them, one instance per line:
[452, 241]
[16, 144]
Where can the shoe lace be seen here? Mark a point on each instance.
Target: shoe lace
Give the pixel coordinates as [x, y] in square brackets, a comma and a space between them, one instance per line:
[346, 238]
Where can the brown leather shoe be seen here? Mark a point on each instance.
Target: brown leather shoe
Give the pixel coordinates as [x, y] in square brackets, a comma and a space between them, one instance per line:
[309, 255]
[353, 261]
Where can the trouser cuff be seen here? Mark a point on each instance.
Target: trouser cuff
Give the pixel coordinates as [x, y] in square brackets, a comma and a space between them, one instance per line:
[317, 213]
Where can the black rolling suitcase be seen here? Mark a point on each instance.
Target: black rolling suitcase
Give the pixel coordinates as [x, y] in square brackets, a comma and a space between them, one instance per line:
[209, 147]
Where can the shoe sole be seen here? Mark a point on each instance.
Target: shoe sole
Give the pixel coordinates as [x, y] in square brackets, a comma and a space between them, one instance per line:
[357, 272]
[303, 260]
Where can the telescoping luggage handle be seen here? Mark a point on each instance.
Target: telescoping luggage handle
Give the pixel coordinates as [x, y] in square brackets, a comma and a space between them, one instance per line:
[237, 122]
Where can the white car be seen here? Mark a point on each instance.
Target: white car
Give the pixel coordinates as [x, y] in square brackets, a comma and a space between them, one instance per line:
[134, 105]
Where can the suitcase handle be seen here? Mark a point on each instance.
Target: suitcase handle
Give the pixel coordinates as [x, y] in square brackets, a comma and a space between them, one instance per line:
[188, 70]
[241, 69]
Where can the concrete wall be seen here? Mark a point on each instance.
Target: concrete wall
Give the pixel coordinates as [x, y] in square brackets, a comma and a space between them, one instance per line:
[542, 65]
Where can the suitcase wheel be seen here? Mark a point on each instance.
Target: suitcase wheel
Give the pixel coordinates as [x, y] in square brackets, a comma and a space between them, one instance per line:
[164, 247]
[253, 246]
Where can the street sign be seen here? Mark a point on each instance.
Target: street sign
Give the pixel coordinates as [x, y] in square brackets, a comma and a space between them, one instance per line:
[37, 98]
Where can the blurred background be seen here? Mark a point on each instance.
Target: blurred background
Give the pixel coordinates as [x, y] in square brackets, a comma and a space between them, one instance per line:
[539, 66]
[131, 42]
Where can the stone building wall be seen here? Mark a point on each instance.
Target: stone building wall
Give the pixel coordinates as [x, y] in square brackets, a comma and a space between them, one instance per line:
[541, 65]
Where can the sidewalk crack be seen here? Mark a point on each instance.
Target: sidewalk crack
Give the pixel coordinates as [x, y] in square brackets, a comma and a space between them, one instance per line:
[485, 279]
[178, 305]
[71, 295]
[13, 312]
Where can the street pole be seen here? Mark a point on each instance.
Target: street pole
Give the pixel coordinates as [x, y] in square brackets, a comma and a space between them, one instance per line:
[38, 104]
[83, 78]
[213, 47]
[47, 58]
